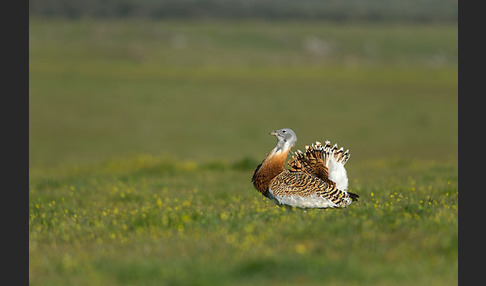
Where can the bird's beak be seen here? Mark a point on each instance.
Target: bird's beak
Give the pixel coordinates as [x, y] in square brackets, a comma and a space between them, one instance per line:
[274, 133]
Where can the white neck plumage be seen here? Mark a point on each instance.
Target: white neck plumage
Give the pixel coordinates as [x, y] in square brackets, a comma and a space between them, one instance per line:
[281, 148]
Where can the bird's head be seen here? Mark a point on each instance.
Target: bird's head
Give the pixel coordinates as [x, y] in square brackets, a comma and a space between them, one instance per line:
[286, 138]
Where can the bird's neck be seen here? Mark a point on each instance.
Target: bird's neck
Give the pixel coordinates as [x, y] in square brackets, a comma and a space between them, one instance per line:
[273, 165]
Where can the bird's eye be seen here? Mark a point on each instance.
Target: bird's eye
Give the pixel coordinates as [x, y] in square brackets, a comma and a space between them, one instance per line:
[283, 131]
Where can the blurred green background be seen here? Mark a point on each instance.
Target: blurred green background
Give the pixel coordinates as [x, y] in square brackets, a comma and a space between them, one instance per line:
[208, 89]
[147, 119]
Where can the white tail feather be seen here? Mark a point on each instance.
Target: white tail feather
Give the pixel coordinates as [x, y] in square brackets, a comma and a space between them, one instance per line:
[335, 159]
[337, 173]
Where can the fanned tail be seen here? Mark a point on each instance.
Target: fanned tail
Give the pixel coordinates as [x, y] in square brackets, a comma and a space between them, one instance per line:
[318, 154]
[340, 155]
[323, 161]
[310, 162]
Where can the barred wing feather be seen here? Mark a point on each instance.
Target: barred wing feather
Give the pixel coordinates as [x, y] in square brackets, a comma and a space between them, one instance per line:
[301, 189]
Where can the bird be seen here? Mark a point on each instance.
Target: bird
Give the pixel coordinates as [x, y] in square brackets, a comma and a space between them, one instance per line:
[315, 178]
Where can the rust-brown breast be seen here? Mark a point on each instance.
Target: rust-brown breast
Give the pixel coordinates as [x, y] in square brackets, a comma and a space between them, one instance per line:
[271, 167]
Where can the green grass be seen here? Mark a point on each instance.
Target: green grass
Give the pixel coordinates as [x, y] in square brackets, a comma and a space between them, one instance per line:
[150, 220]
[143, 137]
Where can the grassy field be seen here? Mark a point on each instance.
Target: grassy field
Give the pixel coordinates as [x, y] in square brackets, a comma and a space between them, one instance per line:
[143, 137]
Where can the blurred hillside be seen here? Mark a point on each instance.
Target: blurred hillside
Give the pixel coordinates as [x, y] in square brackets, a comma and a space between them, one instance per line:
[330, 10]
